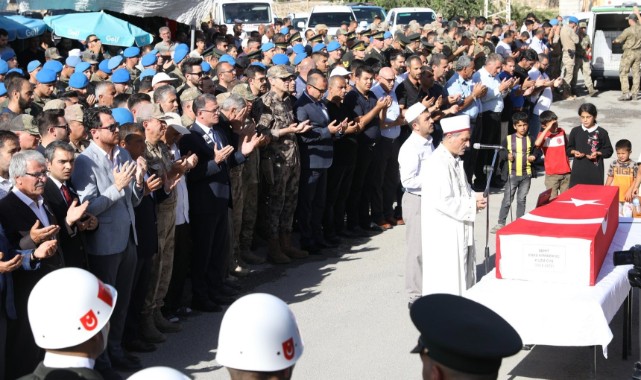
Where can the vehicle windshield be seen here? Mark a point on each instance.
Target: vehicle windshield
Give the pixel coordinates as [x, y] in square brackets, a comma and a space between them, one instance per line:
[422, 18]
[248, 13]
[332, 20]
[367, 14]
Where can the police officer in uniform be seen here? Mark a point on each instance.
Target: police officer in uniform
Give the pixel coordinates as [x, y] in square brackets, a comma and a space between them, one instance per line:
[631, 59]
[569, 40]
[376, 47]
[583, 51]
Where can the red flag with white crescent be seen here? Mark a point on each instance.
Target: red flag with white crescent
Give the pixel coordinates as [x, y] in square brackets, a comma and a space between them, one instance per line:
[289, 349]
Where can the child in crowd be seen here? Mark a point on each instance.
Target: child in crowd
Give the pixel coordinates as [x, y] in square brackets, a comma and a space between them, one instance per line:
[623, 171]
[553, 141]
[520, 155]
[589, 144]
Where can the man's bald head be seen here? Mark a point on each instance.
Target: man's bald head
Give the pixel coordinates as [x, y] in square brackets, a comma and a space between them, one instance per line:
[305, 65]
[386, 71]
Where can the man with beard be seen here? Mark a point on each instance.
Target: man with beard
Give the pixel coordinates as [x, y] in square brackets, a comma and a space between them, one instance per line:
[43, 92]
[52, 127]
[20, 93]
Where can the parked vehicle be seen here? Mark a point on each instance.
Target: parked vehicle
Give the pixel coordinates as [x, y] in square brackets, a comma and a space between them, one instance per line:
[402, 16]
[330, 15]
[251, 12]
[367, 12]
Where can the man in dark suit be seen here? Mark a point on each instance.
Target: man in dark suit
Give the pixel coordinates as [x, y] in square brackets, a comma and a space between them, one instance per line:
[316, 152]
[52, 126]
[209, 190]
[63, 200]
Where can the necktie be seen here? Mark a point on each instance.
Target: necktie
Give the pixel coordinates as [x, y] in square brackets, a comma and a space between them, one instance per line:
[66, 194]
[216, 138]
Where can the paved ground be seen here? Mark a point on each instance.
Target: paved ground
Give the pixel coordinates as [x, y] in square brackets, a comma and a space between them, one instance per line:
[352, 309]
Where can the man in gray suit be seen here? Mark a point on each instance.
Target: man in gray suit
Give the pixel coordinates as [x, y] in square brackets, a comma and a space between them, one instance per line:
[107, 177]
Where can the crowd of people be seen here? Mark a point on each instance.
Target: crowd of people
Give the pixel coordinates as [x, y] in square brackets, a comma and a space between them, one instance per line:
[157, 165]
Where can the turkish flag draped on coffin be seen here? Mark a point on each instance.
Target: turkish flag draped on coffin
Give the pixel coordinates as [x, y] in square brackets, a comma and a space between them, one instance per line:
[564, 241]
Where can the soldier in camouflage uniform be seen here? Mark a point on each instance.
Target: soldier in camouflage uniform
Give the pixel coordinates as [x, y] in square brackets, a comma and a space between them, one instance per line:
[583, 49]
[280, 163]
[569, 41]
[481, 46]
[631, 59]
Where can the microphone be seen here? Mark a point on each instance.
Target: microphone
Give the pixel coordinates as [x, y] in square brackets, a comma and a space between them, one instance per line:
[483, 146]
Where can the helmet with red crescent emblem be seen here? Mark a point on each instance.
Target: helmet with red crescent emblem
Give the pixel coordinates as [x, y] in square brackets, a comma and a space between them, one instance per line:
[259, 333]
[69, 306]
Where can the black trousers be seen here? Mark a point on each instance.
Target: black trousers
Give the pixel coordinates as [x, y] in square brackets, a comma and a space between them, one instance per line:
[210, 234]
[312, 193]
[489, 133]
[180, 272]
[384, 178]
[358, 200]
[339, 183]
[138, 294]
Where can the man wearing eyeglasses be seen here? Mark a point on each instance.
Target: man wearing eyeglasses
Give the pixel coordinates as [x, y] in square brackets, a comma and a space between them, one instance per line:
[107, 177]
[52, 126]
[226, 76]
[193, 73]
[94, 49]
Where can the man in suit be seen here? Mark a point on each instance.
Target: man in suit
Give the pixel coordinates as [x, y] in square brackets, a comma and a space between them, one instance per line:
[63, 200]
[209, 190]
[107, 177]
[22, 213]
[52, 126]
[316, 152]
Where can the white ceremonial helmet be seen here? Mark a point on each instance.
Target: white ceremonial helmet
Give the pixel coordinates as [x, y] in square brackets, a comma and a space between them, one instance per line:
[259, 333]
[68, 307]
[158, 373]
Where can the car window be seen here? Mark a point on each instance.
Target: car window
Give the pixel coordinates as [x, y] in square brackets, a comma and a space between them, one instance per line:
[367, 14]
[422, 18]
[332, 20]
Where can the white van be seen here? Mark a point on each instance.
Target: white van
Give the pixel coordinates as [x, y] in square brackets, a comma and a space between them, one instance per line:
[397, 17]
[252, 13]
[605, 24]
[330, 15]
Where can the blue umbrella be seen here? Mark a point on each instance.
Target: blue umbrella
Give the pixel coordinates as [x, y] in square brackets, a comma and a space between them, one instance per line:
[110, 30]
[30, 27]
[16, 29]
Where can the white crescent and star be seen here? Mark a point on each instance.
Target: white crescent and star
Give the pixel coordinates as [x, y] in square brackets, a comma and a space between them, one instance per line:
[582, 202]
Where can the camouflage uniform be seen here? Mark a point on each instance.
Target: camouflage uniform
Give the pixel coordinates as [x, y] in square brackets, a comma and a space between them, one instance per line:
[187, 121]
[569, 40]
[630, 60]
[583, 63]
[280, 163]
[159, 161]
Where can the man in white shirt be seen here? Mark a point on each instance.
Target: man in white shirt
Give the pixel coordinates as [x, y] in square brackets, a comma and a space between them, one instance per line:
[411, 159]
[504, 47]
[537, 43]
[541, 98]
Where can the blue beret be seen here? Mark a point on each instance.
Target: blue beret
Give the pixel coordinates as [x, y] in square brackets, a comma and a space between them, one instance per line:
[3, 90]
[180, 52]
[573, 19]
[298, 48]
[114, 62]
[259, 64]
[46, 76]
[227, 58]
[205, 66]
[33, 65]
[120, 76]
[387, 35]
[16, 70]
[554, 22]
[82, 67]
[8, 55]
[334, 45]
[131, 52]
[318, 47]
[149, 59]
[104, 66]
[267, 47]
[122, 115]
[284, 30]
[72, 61]
[4, 67]
[299, 58]
[280, 59]
[53, 65]
[147, 73]
[78, 80]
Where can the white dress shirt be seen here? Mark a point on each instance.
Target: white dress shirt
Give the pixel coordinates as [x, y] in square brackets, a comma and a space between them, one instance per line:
[38, 207]
[182, 199]
[393, 112]
[5, 187]
[411, 159]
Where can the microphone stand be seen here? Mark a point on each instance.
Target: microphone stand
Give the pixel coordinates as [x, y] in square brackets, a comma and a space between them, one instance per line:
[489, 172]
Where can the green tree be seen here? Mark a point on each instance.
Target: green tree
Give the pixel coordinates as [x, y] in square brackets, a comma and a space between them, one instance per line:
[449, 8]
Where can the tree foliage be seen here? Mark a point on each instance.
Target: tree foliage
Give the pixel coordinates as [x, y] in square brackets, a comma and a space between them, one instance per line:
[449, 8]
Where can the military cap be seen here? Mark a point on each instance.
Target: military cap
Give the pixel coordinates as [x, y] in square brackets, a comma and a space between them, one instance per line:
[358, 46]
[318, 47]
[242, 62]
[259, 64]
[282, 45]
[16, 70]
[554, 22]
[583, 24]
[632, 17]
[440, 40]
[52, 53]
[33, 65]
[114, 62]
[366, 32]
[387, 35]
[350, 42]
[294, 37]
[121, 76]
[316, 38]
[82, 67]
[206, 67]
[189, 94]
[4, 67]
[574, 20]
[332, 46]
[131, 52]
[380, 35]
[439, 14]
[244, 92]
[46, 76]
[321, 27]
[155, 112]
[227, 58]
[481, 33]
[256, 54]
[403, 40]
[104, 66]
[414, 36]
[267, 47]
[122, 115]
[462, 334]
[24, 123]
[147, 73]
[89, 56]
[280, 71]
[425, 42]
[173, 121]
[298, 48]
[78, 80]
[74, 112]
[280, 59]
[351, 34]
[341, 32]
[299, 58]
[71, 61]
[217, 53]
[148, 59]
[3, 90]
[284, 30]
[180, 53]
[55, 104]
